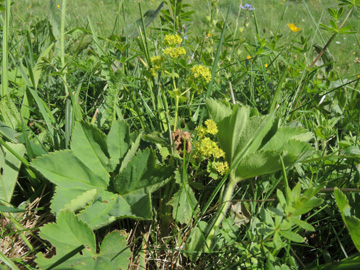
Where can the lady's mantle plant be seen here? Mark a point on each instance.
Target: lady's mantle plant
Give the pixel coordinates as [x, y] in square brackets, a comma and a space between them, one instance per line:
[254, 145]
[103, 177]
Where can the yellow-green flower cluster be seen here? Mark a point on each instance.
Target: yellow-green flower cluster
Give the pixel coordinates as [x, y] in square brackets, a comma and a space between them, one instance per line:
[175, 52]
[201, 72]
[211, 128]
[208, 148]
[156, 62]
[221, 167]
[172, 40]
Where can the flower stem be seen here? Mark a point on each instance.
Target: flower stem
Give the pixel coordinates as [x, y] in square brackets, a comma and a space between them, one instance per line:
[176, 111]
[221, 211]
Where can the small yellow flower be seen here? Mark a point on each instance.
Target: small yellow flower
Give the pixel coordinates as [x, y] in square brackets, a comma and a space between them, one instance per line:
[175, 52]
[211, 127]
[172, 40]
[209, 35]
[208, 148]
[248, 57]
[218, 153]
[157, 60]
[293, 27]
[201, 131]
[221, 167]
[58, 6]
[266, 65]
[201, 72]
[358, 77]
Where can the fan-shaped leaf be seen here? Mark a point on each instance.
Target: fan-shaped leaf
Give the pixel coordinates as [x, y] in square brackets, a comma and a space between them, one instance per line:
[76, 247]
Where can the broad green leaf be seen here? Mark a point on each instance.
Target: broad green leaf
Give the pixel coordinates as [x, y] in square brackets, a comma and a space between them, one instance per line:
[295, 151]
[105, 209]
[113, 249]
[89, 145]
[284, 134]
[133, 187]
[76, 246]
[256, 129]
[184, 204]
[258, 163]
[141, 175]
[230, 131]
[194, 246]
[71, 176]
[118, 142]
[9, 166]
[342, 202]
[218, 110]
[255, 141]
[82, 200]
[7, 132]
[84, 184]
[292, 236]
[65, 169]
[129, 155]
[66, 235]
[352, 223]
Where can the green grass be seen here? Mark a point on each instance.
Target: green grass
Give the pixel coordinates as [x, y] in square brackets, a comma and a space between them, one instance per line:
[272, 18]
[88, 117]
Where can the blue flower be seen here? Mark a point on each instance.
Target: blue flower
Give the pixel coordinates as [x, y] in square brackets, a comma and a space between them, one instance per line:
[247, 6]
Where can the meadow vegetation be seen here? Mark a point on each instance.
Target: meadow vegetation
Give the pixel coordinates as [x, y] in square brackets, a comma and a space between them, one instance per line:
[180, 134]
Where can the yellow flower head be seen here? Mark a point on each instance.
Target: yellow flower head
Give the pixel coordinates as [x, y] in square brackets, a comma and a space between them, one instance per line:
[221, 167]
[201, 131]
[156, 62]
[58, 6]
[266, 65]
[208, 148]
[211, 127]
[201, 72]
[209, 35]
[175, 52]
[293, 27]
[172, 40]
[248, 57]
